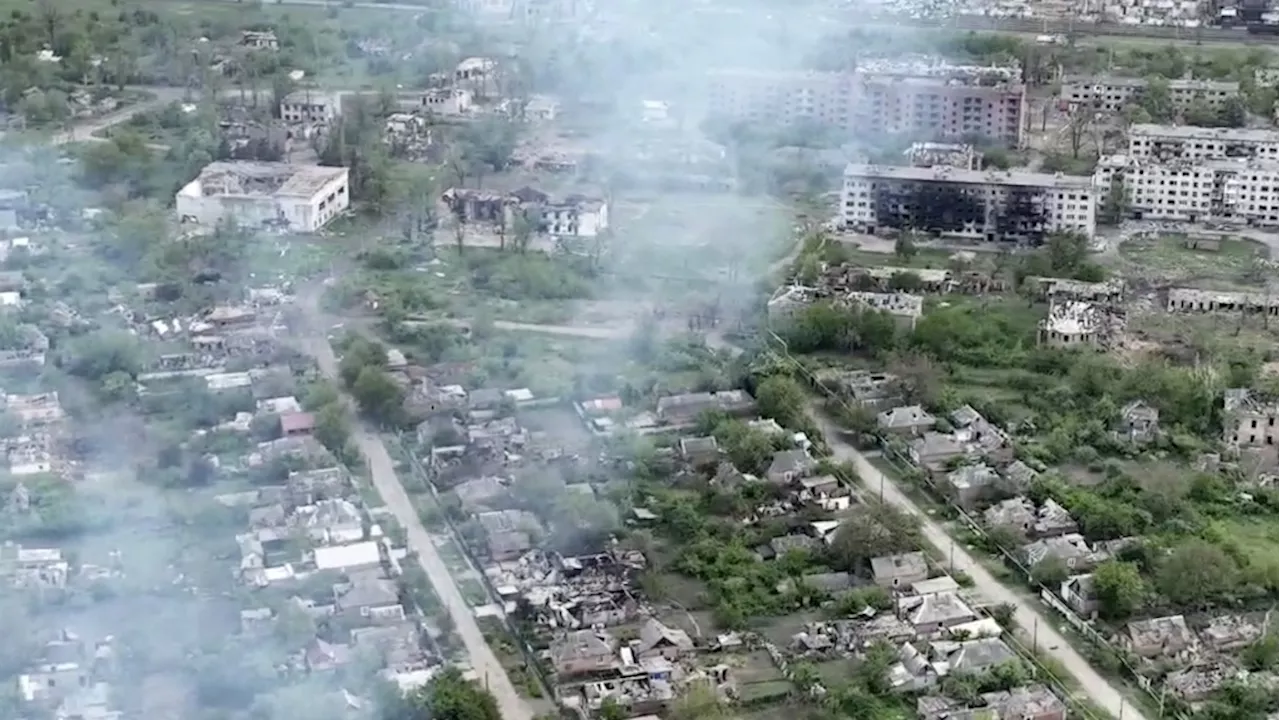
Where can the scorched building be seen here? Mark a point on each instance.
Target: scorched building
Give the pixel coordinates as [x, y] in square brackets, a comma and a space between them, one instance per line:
[985, 205]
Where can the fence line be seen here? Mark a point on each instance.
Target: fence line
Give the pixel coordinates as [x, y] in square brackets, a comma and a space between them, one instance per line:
[530, 657]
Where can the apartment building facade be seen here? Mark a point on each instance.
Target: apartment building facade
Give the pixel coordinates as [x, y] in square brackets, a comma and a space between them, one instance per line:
[982, 205]
[1185, 142]
[1245, 192]
[925, 99]
[1112, 94]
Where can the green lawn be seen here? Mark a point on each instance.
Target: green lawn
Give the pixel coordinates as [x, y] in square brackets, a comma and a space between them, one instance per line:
[1167, 258]
[1257, 538]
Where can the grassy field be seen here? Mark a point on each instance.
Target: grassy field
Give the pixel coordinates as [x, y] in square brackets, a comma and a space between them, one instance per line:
[1257, 538]
[1205, 337]
[1166, 259]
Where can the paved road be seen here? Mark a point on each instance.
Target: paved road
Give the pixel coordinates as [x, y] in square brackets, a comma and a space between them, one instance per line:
[1026, 613]
[382, 470]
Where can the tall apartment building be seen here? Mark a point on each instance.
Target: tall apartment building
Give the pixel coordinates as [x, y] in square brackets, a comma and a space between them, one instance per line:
[985, 205]
[926, 99]
[1112, 94]
[1179, 142]
[1245, 192]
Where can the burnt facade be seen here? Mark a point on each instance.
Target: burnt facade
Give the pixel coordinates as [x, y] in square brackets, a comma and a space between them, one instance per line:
[944, 201]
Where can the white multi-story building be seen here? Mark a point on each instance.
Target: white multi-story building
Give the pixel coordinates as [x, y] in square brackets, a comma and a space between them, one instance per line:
[985, 205]
[1112, 94]
[310, 106]
[1237, 191]
[924, 98]
[1184, 142]
[447, 102]
[576, 216]
[301, 198]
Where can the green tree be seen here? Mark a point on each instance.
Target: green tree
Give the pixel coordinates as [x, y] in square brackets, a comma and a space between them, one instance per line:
[1233, 113]
[1050, 572]
[1119, 588]
[1196, 574]
[451, 697]
[782, 399]
[1115, 207]
[871, 531]
[904, 247]
[332, 429]
[1157, 100]
[611, 710]
[378, 396]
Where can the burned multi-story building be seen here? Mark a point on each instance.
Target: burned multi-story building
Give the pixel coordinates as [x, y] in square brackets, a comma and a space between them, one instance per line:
[922, 97]
[1187, 142]
[1020, 207]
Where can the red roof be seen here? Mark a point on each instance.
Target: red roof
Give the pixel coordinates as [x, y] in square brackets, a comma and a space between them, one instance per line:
[297, 422]
[603, 404]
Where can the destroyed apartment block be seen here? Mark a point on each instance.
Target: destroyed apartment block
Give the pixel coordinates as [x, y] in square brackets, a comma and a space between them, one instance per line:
[1191, 300]
[1248, 419]
[789, 299]
[1077, 324]
[574, 215]
[1050, 289]
[933, 154]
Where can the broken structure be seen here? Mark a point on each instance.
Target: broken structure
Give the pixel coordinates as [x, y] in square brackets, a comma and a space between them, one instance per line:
[301, 198]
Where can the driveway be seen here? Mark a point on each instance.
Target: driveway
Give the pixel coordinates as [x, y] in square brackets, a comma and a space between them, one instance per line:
[1027, 615]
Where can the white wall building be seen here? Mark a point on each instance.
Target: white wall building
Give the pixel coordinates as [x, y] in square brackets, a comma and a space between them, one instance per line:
[310, 106]
[1236, 191]
[576, 216]
[922, 97]
[449, 102]
[301, 198]
[1187, 142]
[984, 205]
[1112, 94]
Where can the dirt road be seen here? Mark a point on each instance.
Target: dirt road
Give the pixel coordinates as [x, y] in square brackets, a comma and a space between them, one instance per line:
[1027, 615]
[382, 470]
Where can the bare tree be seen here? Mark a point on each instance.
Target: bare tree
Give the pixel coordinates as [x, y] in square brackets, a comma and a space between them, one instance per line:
[1078, 123]
[460, 235]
